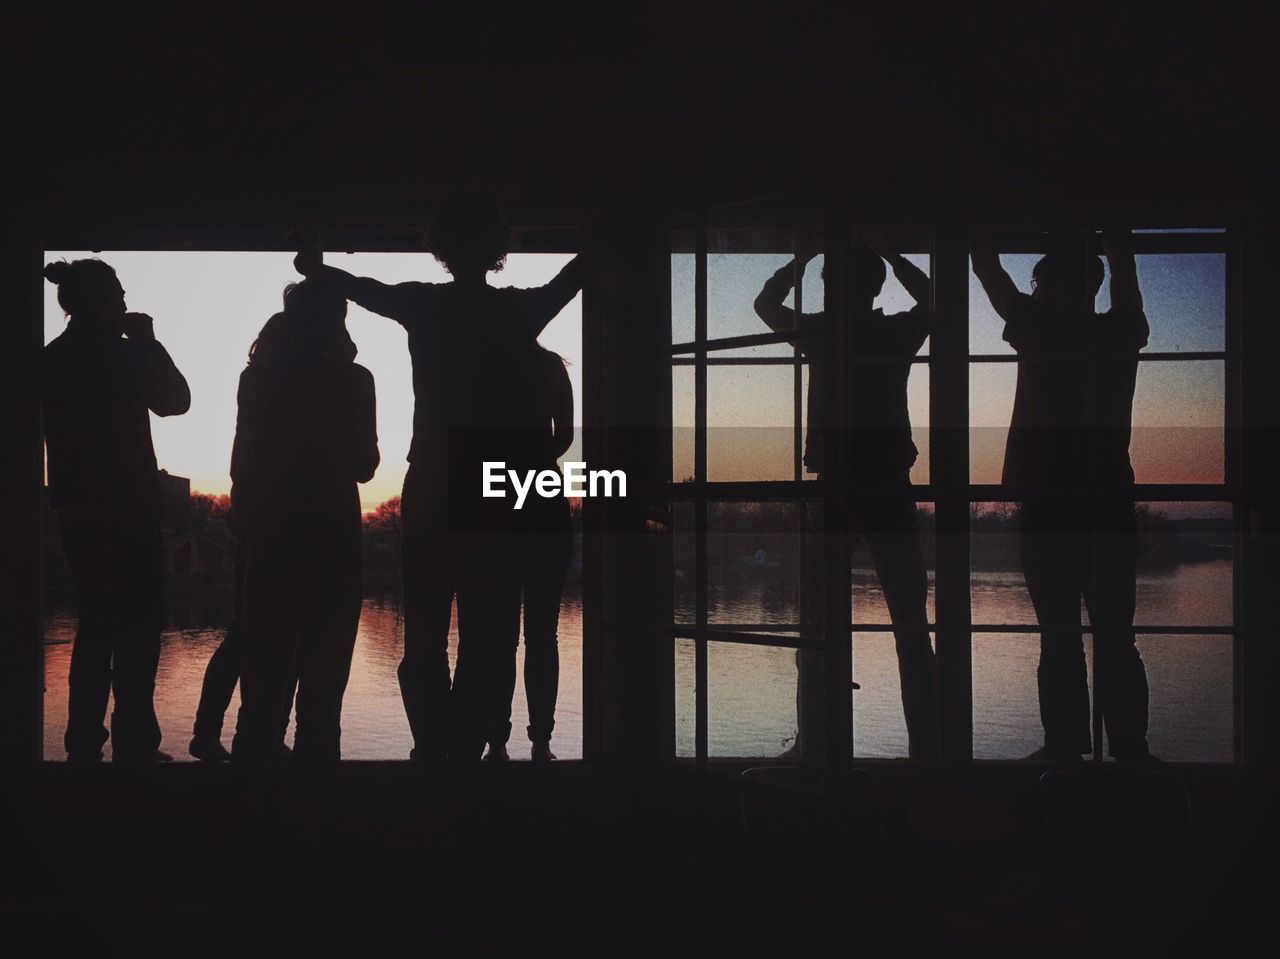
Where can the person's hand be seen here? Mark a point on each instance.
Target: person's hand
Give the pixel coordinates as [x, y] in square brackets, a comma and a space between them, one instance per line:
[137, 326]
[808, 246]
[307, 262]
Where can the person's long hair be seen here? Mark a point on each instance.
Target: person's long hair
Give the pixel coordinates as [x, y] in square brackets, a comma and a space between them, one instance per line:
[273, 341]
[317, 318]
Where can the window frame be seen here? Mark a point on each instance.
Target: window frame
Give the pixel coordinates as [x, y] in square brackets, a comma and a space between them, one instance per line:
[950, 488]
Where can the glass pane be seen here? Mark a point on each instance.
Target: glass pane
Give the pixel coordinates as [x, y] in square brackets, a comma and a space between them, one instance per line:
[683, 301]
[1192, 683]
[1184, 565]
[684, 563]
[683, 433]
[897, 552]
[879, 729]
[686, 702]
[760, 699]
[894, 298]
[764, 564]
[1006, 704]
[1184, 297]
[1182, 573]
[998, 591]
[986, 329]
[750, 423]
[1179, 422]
[742, 257]
[991, 388]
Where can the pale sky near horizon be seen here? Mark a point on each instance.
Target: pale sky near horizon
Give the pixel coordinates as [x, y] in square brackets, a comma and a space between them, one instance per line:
[209, 306]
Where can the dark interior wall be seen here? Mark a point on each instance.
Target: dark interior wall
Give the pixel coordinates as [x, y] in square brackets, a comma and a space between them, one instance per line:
[188, 121]
[363, 113]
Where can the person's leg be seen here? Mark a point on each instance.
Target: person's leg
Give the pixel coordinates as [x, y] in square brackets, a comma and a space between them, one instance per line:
[92, 569]
[811, 692]
[488, 631]
[324, 667]
[893, 539]
[543, 590]
[223, 672]
[503, 677]
[268, 659]
[1049, 544]
[429, 581]
[1111, 596]
[135, 732]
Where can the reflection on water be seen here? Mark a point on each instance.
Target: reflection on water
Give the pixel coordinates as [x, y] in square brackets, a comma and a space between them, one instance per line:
[751, 690]
[373, 720]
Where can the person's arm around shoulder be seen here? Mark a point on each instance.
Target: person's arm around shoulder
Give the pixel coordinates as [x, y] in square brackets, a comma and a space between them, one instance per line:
[165, 389]
[401, 302]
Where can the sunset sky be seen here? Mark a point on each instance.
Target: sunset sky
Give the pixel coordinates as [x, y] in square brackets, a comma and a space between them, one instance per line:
[1178, 406]
[208, 307]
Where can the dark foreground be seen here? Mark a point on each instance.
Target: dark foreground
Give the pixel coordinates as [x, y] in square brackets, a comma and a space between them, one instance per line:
[582, 859]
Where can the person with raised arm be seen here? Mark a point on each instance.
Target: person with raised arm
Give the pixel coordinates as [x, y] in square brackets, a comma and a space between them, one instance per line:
[462, 336]
[882, 504]
[1067, 459]
[101, 378]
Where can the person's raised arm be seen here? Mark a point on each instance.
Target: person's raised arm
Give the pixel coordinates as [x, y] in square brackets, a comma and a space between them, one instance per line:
[769, 302]
[1003, 293]
[1125, 294]
[163, 386]
[545, 302]
[913, 279]
[399, 301]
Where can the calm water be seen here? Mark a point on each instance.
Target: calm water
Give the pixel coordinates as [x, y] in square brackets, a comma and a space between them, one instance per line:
[751, 690]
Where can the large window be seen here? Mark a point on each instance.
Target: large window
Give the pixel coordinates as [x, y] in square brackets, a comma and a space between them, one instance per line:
[208, 307]
[774, 588]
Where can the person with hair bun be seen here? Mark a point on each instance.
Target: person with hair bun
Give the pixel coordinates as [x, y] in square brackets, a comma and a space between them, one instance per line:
[100, 377]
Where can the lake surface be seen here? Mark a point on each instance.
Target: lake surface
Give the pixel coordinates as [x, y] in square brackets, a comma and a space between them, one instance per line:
[751, 690]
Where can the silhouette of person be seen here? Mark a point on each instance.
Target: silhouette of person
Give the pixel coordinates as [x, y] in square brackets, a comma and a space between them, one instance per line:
[546, 547]
[306, 436]
[460, 335]
[1068, 453]
[271, 348]
[99, 379]
[882, 504]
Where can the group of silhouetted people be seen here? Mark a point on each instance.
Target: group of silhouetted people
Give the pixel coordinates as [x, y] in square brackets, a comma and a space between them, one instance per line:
[484, 390]
[1066, 459]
